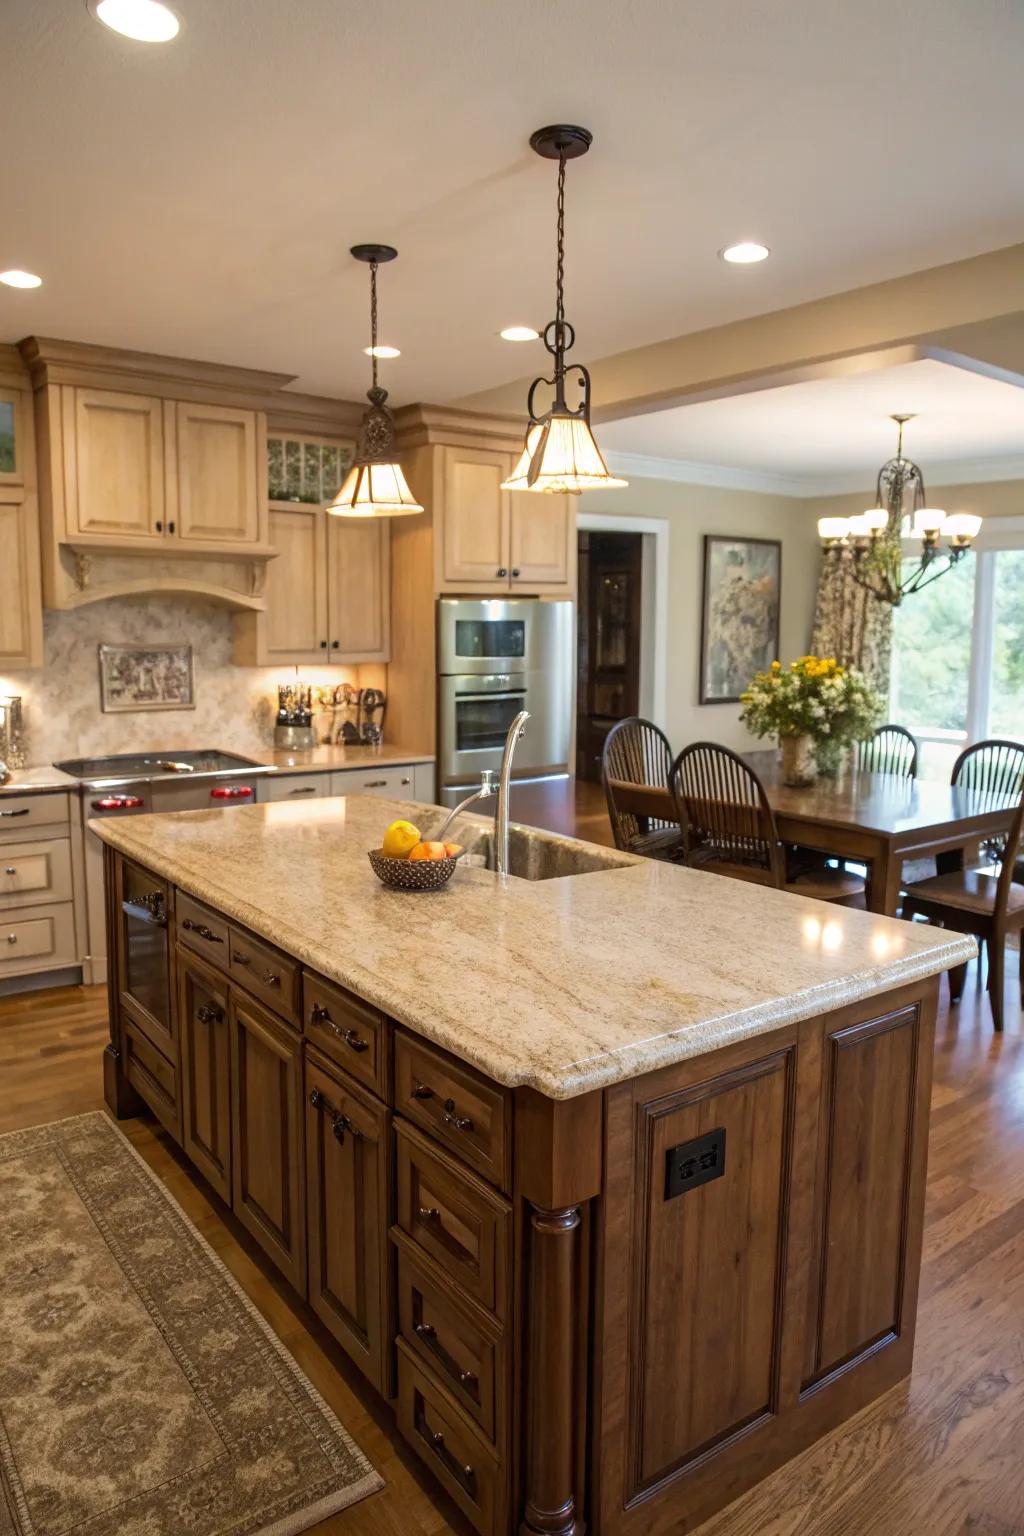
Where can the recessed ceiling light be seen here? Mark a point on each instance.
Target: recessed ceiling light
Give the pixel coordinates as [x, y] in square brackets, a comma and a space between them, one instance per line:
[17, 279]
[745, 253]
[382, 352]
[147, 21]
[520, 333]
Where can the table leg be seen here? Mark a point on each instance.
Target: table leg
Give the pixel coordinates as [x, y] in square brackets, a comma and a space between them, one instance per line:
[885, 878]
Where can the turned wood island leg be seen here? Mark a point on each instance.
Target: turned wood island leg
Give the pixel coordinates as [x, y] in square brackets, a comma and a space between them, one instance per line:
[558, 1173]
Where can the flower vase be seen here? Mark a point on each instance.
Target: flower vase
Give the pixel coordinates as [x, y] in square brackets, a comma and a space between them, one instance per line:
[799, 766]
[829, 756]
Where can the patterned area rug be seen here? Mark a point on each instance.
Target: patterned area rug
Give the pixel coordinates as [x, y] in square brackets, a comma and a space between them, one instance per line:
[141, 1394]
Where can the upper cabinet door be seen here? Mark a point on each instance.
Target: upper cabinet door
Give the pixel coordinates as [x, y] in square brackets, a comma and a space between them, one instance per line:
[21, 610]
[114, 465]
[215, 461]
[358, 577]
[295, 624]
[474, 520]
[541, 545]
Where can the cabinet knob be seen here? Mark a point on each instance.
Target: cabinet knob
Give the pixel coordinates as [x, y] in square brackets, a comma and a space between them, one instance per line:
[12, 938]
[501, 571]
[323, 645]
[159, 527]
[335, 645]
[11, 869]
[515, 570]
[170, 527]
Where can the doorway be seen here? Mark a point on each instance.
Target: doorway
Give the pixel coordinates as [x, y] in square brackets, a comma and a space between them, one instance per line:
[609, 632]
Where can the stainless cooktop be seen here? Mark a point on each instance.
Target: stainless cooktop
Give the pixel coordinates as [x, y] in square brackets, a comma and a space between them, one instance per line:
[133, 766]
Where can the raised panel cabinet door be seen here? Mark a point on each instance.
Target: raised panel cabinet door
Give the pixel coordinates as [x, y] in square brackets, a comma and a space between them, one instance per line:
[21, 603]
[475, 519]
[217, 483]
[205, 1070]
[541, 542]
[347, 1215]
[114, 465]
[358, 577]
[295, 623]
[266, 1135]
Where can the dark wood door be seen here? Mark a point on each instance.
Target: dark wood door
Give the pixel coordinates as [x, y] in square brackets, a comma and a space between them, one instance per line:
[143, 958]
[609, 635]
[205, 1069]
[266, 1135]
[348, 1216]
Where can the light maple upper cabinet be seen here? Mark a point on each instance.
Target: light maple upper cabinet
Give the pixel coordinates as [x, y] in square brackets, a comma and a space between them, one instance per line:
[217, 452]
[358, 584]
[21, 621]
[293, 630]
[495, 541]
[113, 464]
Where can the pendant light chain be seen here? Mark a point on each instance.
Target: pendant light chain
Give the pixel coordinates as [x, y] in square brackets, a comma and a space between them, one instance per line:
[560, 271]
[373, 319]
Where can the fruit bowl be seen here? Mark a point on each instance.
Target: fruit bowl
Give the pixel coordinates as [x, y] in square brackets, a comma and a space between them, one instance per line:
[412, 874]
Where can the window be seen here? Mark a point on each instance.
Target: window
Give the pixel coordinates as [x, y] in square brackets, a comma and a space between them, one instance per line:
[958, 651]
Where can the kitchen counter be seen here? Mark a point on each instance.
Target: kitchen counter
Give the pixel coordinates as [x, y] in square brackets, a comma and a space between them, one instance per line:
[37, 781]
[564, 985]
[324, 759]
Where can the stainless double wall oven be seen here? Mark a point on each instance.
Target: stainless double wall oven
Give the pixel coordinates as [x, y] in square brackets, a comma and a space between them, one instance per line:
[496, 657]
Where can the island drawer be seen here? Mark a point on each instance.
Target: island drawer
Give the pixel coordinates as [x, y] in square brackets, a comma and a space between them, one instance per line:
[153, 1077]
[459, 1346]
[455, 1104]
[23, 813]
[455, 1218]
[347, 1030]
[448, 1444]
[266, 973]
[202, 930]
[35, 872]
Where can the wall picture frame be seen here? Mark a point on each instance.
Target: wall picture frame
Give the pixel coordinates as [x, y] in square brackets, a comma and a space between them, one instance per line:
[740, 611]
[146, 677]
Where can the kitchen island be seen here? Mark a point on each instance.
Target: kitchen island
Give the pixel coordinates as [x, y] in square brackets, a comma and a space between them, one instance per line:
[610, 1178]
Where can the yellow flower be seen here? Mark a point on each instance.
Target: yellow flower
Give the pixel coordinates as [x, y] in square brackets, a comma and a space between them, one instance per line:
[776, 666]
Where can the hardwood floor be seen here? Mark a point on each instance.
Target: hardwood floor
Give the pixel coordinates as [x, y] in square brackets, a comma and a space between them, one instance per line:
[939, 1456]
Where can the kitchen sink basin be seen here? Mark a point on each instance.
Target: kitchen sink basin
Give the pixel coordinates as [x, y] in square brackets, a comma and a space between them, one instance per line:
[533, 854]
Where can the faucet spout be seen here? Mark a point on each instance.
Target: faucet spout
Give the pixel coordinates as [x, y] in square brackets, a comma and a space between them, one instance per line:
[516, 732]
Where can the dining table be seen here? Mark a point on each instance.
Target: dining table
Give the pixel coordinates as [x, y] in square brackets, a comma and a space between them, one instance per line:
[881, 820]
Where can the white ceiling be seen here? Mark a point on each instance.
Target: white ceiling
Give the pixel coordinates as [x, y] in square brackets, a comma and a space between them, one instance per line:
[199, 198]
[833, 434]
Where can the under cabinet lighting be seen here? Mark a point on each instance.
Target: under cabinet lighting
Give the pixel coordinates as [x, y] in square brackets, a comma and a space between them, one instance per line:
[147, 21]
[18, 279]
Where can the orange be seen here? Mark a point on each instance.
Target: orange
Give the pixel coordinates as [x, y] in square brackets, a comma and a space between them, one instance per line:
[452, 849]
[428, 851]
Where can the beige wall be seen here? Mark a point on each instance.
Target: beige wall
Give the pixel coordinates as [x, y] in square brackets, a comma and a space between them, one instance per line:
[990, 498]
[691, 512]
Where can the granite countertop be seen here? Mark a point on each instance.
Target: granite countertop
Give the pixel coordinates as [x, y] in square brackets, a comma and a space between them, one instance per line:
[324, 759]
[37, 781]
[565, 985]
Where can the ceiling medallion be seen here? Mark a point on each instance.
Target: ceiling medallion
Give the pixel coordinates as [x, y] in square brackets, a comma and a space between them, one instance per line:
[560, 453]
[375, 485]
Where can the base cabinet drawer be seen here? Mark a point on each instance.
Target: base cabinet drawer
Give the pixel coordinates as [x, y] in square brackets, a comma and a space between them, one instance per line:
[388, 783]
[202, 930]
[37, 939]
[266, 973]
[463, 1351]
[34, 873]
[23, 813]
[348, 1199]
[153, 1077]
[449, 1445]
[349, 1031]
[456, 1106]
[294, 786]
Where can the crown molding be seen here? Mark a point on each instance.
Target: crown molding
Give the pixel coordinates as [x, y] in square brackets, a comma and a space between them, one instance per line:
[692, 472]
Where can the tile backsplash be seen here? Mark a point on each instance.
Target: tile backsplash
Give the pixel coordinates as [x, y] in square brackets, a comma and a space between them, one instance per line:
[235, 706]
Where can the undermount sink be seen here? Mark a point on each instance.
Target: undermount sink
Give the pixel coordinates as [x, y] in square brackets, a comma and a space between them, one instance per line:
[533, 854]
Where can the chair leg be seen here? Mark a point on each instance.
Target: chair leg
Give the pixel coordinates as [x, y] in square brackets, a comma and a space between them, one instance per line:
[996, 946]
[957, 977]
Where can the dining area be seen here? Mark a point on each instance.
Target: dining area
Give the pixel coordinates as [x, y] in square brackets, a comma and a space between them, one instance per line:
[874, 835]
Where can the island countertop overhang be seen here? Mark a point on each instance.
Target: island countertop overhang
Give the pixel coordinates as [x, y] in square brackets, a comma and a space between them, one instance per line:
[563, 985]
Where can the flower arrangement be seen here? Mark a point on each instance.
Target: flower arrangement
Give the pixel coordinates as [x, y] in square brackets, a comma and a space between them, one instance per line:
[814, 701]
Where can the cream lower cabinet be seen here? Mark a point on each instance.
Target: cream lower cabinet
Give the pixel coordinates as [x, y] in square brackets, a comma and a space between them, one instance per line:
[495, 541]
[21, 610]
[327, 592]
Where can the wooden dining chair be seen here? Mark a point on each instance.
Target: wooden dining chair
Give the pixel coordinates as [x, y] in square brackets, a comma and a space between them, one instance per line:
[986, 902]
[729, 826]
[637, 752]
[892, 749]
[993, 767]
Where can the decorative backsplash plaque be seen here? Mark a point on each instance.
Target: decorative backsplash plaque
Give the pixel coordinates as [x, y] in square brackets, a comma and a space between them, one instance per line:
[138, 677]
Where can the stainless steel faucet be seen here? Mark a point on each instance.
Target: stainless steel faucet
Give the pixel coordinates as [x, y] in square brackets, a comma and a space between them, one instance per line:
[516, 732]
[485, 792]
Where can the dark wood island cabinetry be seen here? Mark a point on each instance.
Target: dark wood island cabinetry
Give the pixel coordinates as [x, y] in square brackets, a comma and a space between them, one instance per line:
[611, 1312]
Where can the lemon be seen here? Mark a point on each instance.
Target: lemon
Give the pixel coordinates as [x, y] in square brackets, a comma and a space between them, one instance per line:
[400, 839]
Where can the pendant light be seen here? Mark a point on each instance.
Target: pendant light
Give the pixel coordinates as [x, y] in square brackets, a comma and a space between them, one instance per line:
[560, 453]
[375, 485]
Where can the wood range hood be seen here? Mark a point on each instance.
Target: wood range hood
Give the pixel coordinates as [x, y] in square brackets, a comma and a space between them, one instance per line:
[153, 471]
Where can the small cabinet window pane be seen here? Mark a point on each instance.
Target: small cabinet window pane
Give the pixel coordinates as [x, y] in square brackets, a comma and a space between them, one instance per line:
[8, 454]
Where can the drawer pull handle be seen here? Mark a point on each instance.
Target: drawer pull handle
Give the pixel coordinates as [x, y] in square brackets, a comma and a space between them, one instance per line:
[428, 1333]
[376, 784]
[202, 932]
[12, 938]
[308, 789]
[207, 1014]
[422, 1091]
[269, 978]
[318, 1014]
[462, 1474]
[23, 812]
[457, 1122]
[339, 1123]
[430, 1213]
[11, 869]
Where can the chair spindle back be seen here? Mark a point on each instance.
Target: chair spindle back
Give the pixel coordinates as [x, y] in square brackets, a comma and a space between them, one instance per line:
[724, 811]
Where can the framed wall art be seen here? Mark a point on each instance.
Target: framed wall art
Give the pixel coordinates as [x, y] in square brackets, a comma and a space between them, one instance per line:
[142, 677]
[739, 614]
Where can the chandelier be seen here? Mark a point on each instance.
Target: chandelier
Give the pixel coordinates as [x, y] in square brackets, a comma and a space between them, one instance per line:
[871, 542]
[560, 453]
[375, 485]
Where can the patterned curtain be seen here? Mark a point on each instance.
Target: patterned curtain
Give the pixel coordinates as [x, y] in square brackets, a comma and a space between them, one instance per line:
[852, 624]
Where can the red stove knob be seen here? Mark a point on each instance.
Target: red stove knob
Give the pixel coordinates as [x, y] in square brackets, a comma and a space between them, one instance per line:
[117, 803]
[231, 792]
